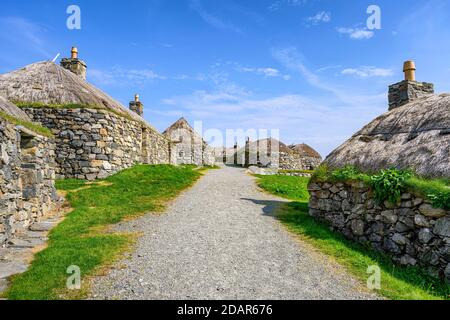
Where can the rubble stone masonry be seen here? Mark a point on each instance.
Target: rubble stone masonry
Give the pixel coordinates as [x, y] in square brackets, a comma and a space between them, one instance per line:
[411, 232]
[27, 190]
[93, 144]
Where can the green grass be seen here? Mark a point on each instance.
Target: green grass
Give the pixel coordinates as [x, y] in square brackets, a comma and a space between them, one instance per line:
[398, 283]
[297, 171]
[82, 238]
[292, 188]
[27, 124]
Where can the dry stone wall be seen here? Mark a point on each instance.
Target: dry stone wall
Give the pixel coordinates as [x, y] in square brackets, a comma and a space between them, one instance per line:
[411, 232]
[93, 144]
[294, 161]
[27, 174]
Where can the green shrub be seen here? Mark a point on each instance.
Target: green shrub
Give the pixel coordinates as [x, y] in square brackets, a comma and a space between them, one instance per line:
[321, 173]
[389, 185]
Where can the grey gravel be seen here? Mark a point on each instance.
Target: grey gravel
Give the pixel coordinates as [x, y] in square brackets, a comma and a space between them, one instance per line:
[219, 240]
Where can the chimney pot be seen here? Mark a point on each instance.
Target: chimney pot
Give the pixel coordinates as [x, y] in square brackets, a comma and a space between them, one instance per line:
[74, 53]
[136, 106]
[409, 68]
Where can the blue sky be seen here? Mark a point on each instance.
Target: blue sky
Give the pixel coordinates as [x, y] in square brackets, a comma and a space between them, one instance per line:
[310, 68]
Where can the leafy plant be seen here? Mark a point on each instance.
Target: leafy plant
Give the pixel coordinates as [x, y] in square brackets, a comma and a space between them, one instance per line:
[345, 174]
[389, 185]
[321, 173]
[440, 199]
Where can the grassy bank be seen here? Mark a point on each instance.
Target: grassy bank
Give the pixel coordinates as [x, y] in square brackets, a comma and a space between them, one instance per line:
[397, 283]
[390, 184]
[27, 124]
[82, 239]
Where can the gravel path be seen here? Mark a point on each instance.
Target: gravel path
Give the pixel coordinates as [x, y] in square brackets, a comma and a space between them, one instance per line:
[218, 240]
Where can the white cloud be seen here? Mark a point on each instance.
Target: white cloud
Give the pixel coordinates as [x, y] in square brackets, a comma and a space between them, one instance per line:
[211, 19]
[117, 75]
[266, 72]
[323, 121]
[277, 5]
[357, 33]
[320, 17]
[368, 72]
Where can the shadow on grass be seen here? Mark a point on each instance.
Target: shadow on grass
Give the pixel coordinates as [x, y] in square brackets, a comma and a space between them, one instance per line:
[397, 282]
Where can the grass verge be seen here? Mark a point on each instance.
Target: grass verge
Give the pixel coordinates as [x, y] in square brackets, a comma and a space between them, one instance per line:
[27, 124]
[82, 239]
[397, 283]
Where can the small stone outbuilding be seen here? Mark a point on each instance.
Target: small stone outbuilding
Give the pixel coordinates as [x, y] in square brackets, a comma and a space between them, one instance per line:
[188, 147]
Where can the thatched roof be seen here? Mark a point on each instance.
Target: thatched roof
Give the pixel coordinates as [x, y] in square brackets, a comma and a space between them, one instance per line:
[269, 144]
[414, 136]
[49, 83]
[182, 126]
[179, 124]
[306, 151]
[12, 110]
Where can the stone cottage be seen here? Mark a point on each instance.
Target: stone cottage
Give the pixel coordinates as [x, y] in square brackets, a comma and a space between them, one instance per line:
[188, 147]
[272, 153]
[95, 135]
[413, 134]
[27, 161]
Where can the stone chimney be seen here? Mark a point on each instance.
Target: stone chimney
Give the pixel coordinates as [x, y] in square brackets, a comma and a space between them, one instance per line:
[409, 89]
[136, 106]
[74, 64]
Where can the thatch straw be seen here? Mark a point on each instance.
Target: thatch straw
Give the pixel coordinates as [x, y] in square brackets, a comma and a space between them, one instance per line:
[49, 84]
[415, 136]
[12, 110]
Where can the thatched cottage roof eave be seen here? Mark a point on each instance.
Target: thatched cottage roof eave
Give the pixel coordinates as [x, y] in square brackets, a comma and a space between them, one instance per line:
[12, 110]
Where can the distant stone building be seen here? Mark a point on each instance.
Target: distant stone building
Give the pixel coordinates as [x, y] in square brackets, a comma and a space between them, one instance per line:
[188, 147]
[272, 153]
[27, 161]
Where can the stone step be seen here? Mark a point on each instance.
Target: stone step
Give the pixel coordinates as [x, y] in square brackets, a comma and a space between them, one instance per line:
[43, 226]
[26, 242]
[3, 285]
[9, 268]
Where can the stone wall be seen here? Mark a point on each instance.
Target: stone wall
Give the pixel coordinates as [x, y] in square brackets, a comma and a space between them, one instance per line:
[294, 161]
[93, 144]
[407, 91]
[411, 232]
[27, 175]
